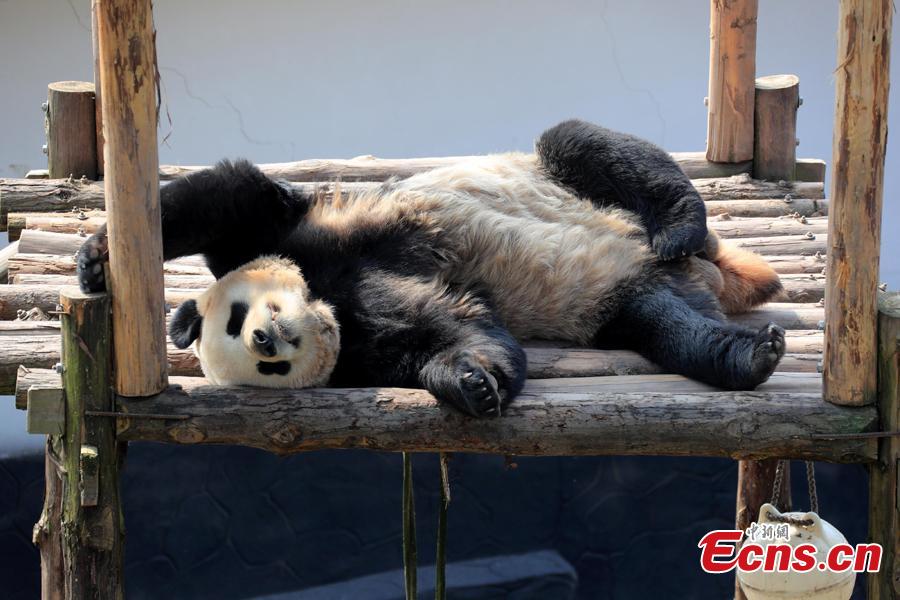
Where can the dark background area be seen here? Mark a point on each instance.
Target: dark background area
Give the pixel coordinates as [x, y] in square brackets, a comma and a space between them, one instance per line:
[231, 522]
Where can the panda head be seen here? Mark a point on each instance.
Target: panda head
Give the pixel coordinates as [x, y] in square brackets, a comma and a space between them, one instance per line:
[257, 325]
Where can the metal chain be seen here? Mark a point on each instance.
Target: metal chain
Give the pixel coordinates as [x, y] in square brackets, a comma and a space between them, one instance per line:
[811, 482]
[779, 481]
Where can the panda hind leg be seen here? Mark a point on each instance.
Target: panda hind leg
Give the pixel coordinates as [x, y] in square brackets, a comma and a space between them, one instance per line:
[664, 327]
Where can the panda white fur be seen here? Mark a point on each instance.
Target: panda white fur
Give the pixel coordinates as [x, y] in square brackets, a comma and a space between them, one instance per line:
[598, 239]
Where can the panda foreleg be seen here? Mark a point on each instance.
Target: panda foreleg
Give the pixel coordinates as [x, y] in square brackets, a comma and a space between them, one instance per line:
[664, 328]
[612, 168]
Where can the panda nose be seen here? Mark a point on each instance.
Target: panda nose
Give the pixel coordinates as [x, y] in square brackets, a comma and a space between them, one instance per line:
[264, 344]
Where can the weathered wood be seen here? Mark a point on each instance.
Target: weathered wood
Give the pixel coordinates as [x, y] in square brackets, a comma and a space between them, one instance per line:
[5, 255]
[804, 207]
[804, 245]
[678, 417]
[131, 185]
[56, 264]
[809, 169]
[730, 227]
[182, 282]
[794, 264]
[14, 298]
[803, 288]
[98, 112]
[92, 536]
[884, 474]
[40, 350]
[775, 127]
[46, 534]
[732, 70]
[72, 222]
[54, 195]
[860, 137]
[26, 378]
[743, 187]
[37, 174]
[788, 315]
[370, 168]
[71, 130]
[47, 195]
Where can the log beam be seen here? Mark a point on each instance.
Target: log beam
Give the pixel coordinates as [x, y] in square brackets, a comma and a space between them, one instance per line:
[131, 186]
[860, 137]
[775, 127]
[71, 130]
[884, 474]
[732, 70]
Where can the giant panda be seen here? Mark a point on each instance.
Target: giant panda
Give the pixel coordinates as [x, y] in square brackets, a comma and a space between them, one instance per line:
[597, 239]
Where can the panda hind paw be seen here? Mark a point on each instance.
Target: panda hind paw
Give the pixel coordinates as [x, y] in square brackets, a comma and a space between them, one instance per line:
[91, 257]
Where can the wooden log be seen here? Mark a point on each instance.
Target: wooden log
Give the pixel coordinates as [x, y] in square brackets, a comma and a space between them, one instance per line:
[131, 186]
[5, 255]
[809, 169]
[767, 207]
[743, 227]
[37, 174]
[788, 315]
[196, 283]
[93, 536]
[884, 474]
[546, 419]
[775, 127]
[797, 264]
[15, 298]
[803, 288]
[732, 70]
[55, 264]
[743, 187]
[804, 245]
[47, 195]
[71, 130]
[72, 222]
[28, 328]
[98, 105]
[860, 136]
[38, 348]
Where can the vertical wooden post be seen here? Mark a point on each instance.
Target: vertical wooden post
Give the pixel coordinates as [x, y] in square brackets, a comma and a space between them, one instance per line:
[854, 214]
[131, 184]
[884, 475]
[80, 532]
[775, 127]
[71, 130]
[732, 71]
[756, 480]
[95, 42]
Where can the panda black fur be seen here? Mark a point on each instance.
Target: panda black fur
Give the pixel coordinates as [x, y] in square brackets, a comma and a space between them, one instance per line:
[598, 239]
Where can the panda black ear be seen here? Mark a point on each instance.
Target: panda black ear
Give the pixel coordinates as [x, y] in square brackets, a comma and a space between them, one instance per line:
[185, 325]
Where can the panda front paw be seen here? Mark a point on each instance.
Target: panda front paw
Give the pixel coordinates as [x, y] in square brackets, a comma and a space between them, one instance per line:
[468, 384]
[91, 257]
[679, 241]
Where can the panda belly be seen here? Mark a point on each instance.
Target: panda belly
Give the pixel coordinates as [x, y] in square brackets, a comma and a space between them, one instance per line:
[555, 266]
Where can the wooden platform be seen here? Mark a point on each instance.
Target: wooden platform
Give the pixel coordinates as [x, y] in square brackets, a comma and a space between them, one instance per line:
[577, 401]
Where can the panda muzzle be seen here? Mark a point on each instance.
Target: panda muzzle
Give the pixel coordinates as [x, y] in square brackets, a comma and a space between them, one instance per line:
[264, 343]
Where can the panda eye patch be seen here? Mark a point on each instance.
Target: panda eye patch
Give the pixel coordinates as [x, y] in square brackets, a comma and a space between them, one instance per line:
[295, 342]
[239, 312]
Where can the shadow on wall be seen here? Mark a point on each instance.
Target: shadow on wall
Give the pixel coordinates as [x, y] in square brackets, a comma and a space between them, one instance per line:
[232, 523]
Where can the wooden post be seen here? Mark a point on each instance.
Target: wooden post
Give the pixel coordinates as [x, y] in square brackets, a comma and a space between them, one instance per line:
[80, 531]
[131, 184]
[732, 71]
[756, 481]
[775, 127]
[95, 42]
[854, 226]
[884, 475]
[71, 130]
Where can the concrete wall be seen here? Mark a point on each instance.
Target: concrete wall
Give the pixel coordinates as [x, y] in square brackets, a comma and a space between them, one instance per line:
[275, 80]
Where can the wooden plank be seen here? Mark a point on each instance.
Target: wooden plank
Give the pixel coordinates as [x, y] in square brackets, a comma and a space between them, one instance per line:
[56, 264]
[71, 130]
[775, 127]
[809, 169]
[185, 282]
[768, 227]
[15, 298]
[862, 79]
[544, 420]
[131, 186]
[767, 207]
[732, 70]
[884, 474]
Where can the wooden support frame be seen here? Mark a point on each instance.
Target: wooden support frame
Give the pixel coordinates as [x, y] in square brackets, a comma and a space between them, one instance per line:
[854, 229]
[131, 184]
[732, 72]
[71, 130]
